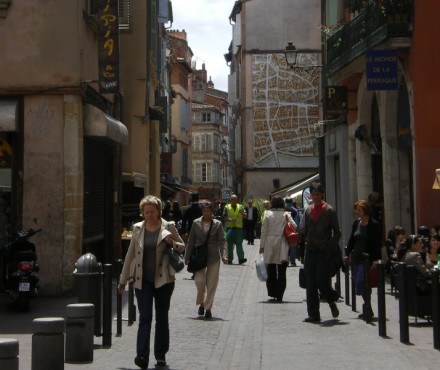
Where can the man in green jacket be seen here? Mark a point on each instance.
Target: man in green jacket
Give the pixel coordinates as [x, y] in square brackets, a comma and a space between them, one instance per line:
[234, 214]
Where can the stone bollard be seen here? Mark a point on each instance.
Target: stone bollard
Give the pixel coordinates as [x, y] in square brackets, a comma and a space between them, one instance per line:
[8, 354]
[48, 343]
[80, 332]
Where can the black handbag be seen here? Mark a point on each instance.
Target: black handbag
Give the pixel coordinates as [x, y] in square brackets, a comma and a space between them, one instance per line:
[175, 259]
[198, 259]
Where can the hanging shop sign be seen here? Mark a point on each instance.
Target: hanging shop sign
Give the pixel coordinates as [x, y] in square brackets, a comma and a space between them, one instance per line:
[108, 46]
[336, 101]
[381, 70]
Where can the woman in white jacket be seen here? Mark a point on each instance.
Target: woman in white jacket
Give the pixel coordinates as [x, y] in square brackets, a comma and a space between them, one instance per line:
[274, 246]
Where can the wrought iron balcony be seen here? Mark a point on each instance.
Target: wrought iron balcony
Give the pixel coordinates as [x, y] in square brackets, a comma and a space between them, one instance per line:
[371, 28]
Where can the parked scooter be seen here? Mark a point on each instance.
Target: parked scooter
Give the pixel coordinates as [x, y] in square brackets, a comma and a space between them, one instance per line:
[22, 269]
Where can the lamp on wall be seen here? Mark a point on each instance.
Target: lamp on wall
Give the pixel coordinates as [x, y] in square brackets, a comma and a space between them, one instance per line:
[291, 55]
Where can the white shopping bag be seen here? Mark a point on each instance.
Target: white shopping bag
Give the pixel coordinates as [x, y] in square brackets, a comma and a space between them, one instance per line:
[260, 266]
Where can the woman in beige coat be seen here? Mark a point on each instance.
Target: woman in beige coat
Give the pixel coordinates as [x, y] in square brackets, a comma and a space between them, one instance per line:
[274, 246]
[207, 279]
[147, 264]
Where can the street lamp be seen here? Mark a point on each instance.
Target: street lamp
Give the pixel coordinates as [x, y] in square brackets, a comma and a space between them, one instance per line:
[291, 55]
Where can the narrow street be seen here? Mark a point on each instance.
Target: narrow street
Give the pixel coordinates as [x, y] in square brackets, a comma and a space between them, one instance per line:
[247, 332]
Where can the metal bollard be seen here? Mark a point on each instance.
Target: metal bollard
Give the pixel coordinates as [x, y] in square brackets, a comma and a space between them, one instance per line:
[403, 303]
[347, 286]
[79, 332]
[119, 264]
[365, 257]
[107, 312]
[347, 280]
[48, 343]
[353, 290]
[436, 308]
[131, 306]
[9, 354]
[338, 282]
[381, 307]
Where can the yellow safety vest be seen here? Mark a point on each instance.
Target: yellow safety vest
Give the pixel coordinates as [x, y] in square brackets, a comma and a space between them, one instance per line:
[237, 218]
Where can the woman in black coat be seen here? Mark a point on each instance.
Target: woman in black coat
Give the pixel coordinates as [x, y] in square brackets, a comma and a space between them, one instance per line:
[364, 238]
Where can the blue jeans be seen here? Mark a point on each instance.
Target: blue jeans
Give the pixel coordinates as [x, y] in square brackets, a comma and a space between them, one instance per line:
[162, 299]
[318, 281]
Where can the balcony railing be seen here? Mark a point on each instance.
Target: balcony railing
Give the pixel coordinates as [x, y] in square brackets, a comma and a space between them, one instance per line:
[366, 31]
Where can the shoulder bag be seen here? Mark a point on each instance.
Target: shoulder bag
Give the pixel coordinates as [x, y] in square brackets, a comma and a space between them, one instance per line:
[175, 259]
[290, 233]
[199, 255]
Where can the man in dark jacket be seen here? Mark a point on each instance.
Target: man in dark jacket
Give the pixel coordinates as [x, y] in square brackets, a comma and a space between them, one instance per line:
[250, 221]
[321, 234]
[193, 211]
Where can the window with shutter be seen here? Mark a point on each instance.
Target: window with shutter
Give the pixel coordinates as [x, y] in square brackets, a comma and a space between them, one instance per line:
[124, 15]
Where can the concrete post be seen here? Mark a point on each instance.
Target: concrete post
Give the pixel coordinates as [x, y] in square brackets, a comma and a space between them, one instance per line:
[79, 332]
[8, 354]
[48, 343]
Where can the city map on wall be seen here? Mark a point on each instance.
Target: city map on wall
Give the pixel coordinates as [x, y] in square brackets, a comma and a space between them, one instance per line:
[285, 109]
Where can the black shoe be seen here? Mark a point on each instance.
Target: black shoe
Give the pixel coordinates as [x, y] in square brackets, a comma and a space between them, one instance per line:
[334, 309]
[361, 316]
[208, 314]
[312, 319]
[229, 262]
[244, 260]
[141, 362]
[201, 310]
[161, 363]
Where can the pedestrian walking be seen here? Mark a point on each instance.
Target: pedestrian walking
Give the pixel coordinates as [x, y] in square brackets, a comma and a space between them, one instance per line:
[234, 214]
[274, 246]
[206, 279]
[364, 238]
[321, 233]
[176, 213]
[290, 207]
[191, 213]
[147, 264]
[252, 217]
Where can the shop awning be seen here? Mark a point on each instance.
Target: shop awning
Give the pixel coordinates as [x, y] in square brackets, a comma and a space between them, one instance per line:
[170, 188]
[291, 189]
[8, 115]
[98, 124]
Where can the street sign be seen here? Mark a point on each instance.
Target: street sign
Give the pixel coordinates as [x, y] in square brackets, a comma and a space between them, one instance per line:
[381, 70]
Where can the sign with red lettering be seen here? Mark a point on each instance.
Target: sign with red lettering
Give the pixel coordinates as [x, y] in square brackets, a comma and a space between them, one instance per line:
[108, 46]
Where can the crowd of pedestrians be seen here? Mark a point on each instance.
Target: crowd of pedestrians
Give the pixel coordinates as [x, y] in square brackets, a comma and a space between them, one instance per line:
[222, 227]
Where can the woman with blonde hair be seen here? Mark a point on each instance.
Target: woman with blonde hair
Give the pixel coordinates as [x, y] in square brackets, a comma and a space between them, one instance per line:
[147, 264]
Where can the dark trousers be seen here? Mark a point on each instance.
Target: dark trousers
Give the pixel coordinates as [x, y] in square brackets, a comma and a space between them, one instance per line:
[162, 298]
[276, 280]
[318, 281]
[250, 231]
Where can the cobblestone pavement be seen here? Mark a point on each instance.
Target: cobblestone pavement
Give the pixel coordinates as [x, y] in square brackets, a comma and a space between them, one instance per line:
[248, 332]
